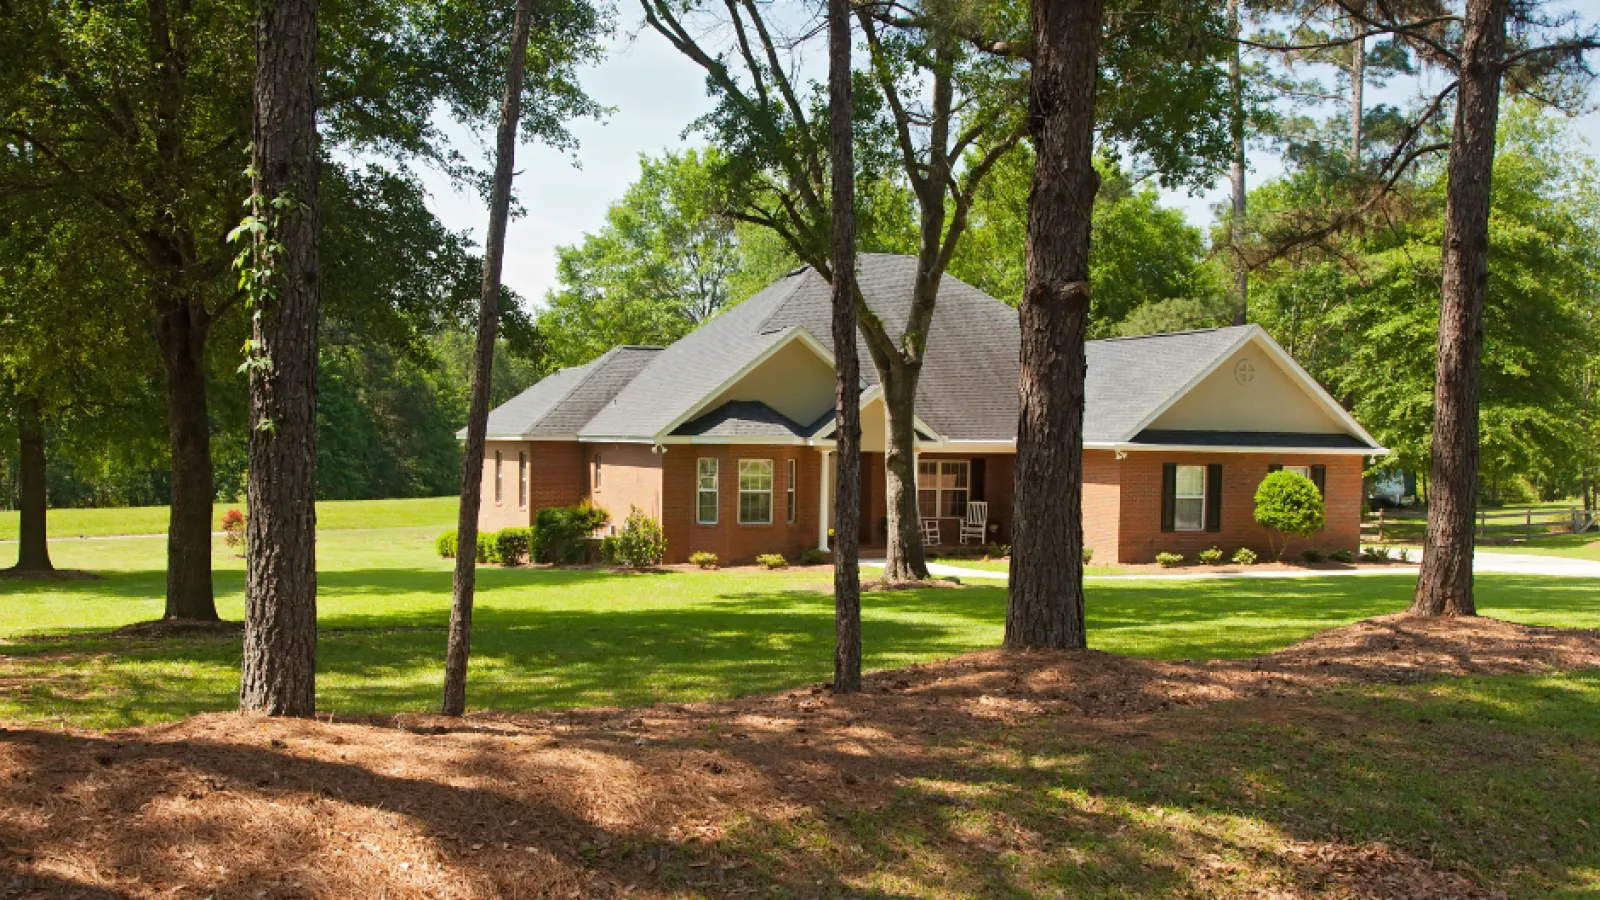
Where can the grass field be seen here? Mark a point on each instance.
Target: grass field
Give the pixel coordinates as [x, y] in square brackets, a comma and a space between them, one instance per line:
[332, 515]
[546, 638]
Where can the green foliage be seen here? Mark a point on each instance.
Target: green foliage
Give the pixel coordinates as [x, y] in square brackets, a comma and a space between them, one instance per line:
[704, 559]
[1088, 554]
[1312, 555]
[511, 546]
[1244, 556]
[772, 561]
[1169, 560]
[1288, 503]
[486, 549]
[445, 544]
[1375, 553]
[1209, 557]
[1342, 556]
[641, 543]
[813, 556]
[560, 532]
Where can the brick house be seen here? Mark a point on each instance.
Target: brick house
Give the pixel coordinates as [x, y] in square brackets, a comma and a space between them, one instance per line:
[725, 436]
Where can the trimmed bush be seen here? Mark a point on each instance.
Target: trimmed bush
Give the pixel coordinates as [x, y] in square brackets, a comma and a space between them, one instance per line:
[641, 543]
[445, 544]
[1169, 560]
[1344, 556]
[703, 559]
[772, 561]
[1375, 554]
[1311, 555]
[811, 556]
[1211, 557]
[511, 546]
[1244, 556]
[486, 552]
[1088, 554]
[559, 532]
[997, 550]
[607, 549]
[233, 523]
[1288, 503]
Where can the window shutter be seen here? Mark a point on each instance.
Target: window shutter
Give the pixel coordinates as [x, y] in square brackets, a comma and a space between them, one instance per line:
[1214, 497]
[1169, 494]
[1319, 477]
[1274, 468]
[978, 481]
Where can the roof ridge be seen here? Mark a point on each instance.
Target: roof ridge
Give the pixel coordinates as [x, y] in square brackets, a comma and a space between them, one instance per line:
[592, 366]
[1162, 334]
[798, 276]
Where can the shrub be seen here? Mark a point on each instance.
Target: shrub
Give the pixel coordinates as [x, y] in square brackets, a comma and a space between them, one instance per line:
[607, 549]
[1404, 554]
[445, 544]
[1244, 556]
[811, 556]
[511, 546]
[1375, 554]
[1088, 554]
[1169, 560]
[1311, 555]
[1288, 503]
[560, 531]
[1344, 556]
[772, 561]
[641, 543]
[1211, 557]
[703, 559]
[997, 550]
[233, 528]
[485, 552]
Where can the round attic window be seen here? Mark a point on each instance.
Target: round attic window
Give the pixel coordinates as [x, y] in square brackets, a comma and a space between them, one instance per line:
[1244, 371]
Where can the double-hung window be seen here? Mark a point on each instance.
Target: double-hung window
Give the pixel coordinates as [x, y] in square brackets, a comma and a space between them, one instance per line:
[789, 490]
[705, 510]
[755, 492]
[522, 480]
[942, 488]
[1302, 471]
[1189, 499]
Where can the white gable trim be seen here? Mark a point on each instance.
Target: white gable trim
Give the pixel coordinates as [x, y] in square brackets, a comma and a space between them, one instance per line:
[867, 396]
[792, 333]
[1285, 361]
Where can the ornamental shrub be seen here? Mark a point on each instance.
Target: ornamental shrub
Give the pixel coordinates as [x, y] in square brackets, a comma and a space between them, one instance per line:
[511, 546]
[486, 552]
[559, 532]
[1375, 553]
[1311, 555]
[704, 559]
[1088, 554]
[1343, 556]
[772, 561]
[1288, 504]
[233, 528]
[641, 543]
[811, 556]
[1244, 556]
[445, 544]
[1169, 560]
[1211, 557]
[608, 549]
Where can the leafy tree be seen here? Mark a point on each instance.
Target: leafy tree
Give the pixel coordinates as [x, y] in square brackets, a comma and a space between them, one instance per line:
[1288, 503]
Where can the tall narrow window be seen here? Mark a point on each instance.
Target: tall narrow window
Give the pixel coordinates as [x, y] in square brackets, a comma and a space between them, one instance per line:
[499, 460]
[522, 479]
[706, 492]
[942, 488]
[597, 471]
[1189, 499]
[789, 491]
[755, 492]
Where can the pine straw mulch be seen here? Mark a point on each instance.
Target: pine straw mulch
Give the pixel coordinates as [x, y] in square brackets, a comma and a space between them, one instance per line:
[650, 802]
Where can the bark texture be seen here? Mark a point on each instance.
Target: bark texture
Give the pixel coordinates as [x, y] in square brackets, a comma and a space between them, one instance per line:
[904, 559]
[1241, 274]
[280, 631]
[847, 380]
[1444, 586]
[465, 580]
[1045, 609]
[1358, 86]
[33, 547]
[181, 332]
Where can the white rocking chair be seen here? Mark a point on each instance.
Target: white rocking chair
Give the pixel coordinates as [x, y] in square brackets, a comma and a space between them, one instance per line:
[976, 524]
[930, 533]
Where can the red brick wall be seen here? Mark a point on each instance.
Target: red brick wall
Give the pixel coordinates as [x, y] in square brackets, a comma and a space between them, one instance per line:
[729, 540]
[1141, 536]
[507, 512]
[555, 478]
[558, 474]
[1102, 504]
[630, 477]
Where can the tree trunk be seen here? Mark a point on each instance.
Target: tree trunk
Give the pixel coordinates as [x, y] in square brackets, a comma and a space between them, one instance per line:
[1045, 609]
[1241, 274]
[33, 548]
[1358, 84]
[182, 335]
[280, 630]
[1444, 586]
[460, 641]
[847, 381]
[904, 560]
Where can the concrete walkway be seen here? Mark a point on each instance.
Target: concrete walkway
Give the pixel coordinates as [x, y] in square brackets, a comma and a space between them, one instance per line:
[1509, 563]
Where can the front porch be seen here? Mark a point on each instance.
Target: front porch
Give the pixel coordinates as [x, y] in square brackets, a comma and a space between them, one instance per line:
[947, 482]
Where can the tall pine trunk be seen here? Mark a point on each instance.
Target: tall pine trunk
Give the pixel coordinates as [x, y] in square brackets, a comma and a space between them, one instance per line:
[182, 339]
[1358, 87]
[465, 581]
[1444, 586]
[1241, 275]
[280, 630]
[904, 559]
[1045, 609]
[847, 381]
[33, 547]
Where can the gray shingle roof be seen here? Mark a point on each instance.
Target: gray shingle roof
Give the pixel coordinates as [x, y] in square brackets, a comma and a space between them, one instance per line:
[742, 418]
[1130, 378]
[563, 402]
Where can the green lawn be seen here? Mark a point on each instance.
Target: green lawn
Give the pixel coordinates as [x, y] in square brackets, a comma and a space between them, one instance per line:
[547, 638]
[436, 512]
[1004, 565]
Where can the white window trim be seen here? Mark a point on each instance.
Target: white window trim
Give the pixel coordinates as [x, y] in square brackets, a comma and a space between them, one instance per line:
[790, 498]
[1205, 487]
[1303, 471]
[715, 490]
[522, 480]
[772, 470]
[499, 486]
[597, 472]
[939, 492]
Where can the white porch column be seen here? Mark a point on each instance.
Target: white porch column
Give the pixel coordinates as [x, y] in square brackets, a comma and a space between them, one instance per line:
[823, 498]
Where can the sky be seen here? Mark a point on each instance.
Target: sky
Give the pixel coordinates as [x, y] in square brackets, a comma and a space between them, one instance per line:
[655, 94]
